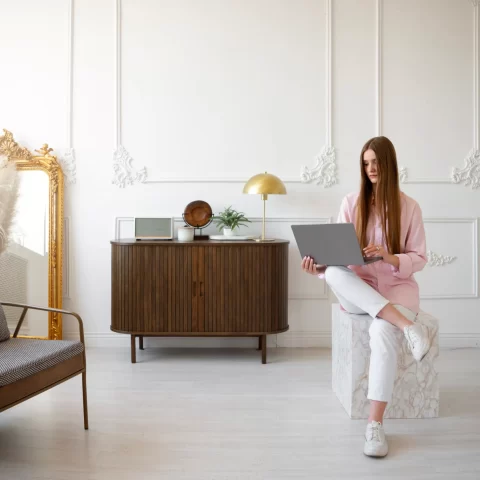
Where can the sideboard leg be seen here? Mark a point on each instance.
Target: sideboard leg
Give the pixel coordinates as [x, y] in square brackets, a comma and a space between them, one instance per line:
[134, 359]
[141, 342]
[264, 348]
[259, 343]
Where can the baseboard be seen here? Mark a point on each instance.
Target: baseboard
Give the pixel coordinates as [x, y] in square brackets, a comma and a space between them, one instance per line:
[460, 340]
[110, 339]
[324, 340]
[305, 339]
[320, 339]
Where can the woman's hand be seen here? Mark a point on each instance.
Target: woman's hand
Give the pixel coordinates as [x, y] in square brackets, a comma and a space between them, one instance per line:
[312, 268]
[379, 251]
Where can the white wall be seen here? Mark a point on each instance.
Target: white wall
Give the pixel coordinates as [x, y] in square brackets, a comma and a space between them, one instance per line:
[204, 94]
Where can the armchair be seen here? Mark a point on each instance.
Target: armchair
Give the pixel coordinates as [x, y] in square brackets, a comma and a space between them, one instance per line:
[30, 366]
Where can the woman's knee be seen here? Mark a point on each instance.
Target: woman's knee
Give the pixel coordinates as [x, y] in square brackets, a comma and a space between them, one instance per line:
[333, 275]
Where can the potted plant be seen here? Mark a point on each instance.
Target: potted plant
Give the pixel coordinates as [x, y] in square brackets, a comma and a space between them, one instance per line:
[229, 220]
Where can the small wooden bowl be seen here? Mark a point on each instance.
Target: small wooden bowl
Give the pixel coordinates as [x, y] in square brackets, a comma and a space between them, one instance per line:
[197, 213]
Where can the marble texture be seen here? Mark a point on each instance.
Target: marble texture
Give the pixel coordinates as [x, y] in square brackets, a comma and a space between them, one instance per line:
[416, 391]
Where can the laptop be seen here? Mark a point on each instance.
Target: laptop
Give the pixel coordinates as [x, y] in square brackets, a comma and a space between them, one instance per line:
[331, 244]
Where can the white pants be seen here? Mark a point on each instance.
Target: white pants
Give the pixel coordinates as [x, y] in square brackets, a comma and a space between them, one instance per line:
[358, 297]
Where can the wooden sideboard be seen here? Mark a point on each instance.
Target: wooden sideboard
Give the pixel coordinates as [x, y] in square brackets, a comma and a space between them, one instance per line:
[200, 288]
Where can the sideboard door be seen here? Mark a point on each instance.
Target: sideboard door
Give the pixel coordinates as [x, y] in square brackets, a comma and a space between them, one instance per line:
[197, 277]
[151, 288]
[235, 294]
[184, 289]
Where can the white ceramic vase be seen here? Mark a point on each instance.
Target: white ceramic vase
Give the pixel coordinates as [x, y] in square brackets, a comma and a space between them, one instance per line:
[228, 232]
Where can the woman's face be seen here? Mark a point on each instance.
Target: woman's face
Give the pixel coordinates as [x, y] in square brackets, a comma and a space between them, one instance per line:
[370, 165]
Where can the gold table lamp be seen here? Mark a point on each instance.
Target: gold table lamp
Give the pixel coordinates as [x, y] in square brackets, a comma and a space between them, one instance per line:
[265, 184]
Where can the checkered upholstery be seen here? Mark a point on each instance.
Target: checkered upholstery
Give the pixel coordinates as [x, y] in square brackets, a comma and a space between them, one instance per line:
[22, 357]
[4, 331]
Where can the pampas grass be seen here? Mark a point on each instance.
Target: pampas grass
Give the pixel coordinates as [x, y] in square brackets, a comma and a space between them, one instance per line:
[9, 183]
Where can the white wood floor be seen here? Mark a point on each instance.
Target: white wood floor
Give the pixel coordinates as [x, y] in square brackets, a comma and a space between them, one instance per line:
[219, 414]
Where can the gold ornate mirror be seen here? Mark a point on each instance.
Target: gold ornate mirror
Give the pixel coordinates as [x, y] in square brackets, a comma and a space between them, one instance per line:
[31, 266]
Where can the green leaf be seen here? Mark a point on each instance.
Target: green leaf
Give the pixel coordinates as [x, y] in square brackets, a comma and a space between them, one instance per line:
[230, 218]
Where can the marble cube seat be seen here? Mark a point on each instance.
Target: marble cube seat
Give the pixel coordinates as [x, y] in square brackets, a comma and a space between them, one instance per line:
[416, 390]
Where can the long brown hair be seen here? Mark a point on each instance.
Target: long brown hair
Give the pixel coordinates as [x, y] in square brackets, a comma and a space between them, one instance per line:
[387, 194]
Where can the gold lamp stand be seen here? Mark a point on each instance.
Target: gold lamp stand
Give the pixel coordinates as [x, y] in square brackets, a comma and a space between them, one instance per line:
[265, 184]
[262, 238]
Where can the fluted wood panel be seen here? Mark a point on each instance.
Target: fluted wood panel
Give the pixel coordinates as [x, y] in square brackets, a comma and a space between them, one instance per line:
[199, 288]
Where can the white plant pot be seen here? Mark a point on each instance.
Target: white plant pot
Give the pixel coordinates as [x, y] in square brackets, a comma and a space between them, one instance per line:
[186, 234]
[228, 232]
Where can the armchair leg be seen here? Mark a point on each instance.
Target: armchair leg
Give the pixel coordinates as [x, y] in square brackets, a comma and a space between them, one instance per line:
[85, 405]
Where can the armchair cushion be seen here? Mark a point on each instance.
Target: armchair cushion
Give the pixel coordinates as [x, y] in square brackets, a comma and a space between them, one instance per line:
[22, 357]
[4, 331]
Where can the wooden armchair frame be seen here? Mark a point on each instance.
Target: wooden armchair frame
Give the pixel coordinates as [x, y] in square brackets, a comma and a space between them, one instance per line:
[25, 388]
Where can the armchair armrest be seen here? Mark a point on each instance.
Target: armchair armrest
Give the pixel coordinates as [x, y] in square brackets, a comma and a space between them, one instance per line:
[45, 309]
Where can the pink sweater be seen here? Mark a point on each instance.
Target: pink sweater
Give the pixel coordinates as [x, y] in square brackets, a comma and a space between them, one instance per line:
[398, 286]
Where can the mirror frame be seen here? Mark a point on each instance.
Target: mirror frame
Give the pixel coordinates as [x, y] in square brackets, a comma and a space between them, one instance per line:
[47, 163]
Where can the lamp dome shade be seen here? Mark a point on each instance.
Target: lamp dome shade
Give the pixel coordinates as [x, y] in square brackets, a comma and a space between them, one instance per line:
[265, 183]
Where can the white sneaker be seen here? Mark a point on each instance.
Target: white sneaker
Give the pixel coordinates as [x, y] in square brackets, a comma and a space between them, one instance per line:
[375, 442]
[418, 339]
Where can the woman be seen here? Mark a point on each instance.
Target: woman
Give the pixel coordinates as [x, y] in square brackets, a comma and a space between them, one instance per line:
[388, 224]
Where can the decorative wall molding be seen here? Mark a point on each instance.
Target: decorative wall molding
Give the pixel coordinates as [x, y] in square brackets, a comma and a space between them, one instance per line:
[470, 173]
[68, 162]
[438, 181]
[403, 174]
[118, 225]
[131, 174]
[123, 171]
[379, 68]
[476, 78]
[242, 180]
[324, 172]
[436, 260]
[69, 166]
[474, 224]
[118, 73]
